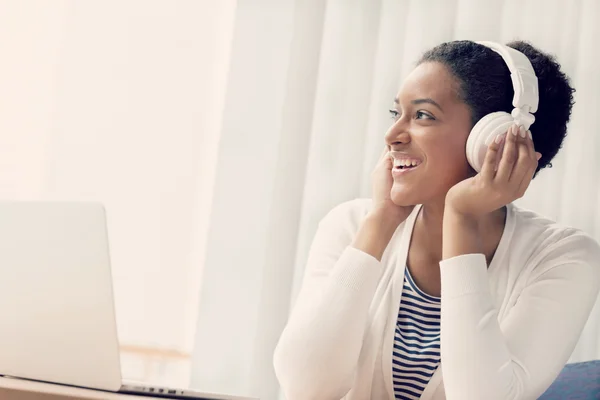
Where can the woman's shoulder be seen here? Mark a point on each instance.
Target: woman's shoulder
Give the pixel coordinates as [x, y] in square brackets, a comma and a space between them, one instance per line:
[548, 242]
[545, 230]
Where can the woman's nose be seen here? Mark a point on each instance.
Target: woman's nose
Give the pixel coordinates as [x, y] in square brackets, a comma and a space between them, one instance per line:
[397, 134]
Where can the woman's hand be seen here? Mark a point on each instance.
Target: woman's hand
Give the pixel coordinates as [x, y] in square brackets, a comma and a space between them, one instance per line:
[491, 189]
[380, 224]
[383, 181]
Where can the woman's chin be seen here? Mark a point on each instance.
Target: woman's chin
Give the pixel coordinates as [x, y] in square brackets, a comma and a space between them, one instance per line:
[402, 198]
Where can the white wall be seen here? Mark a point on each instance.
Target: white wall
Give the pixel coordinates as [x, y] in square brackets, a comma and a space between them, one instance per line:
[30, 45]
[121, 101]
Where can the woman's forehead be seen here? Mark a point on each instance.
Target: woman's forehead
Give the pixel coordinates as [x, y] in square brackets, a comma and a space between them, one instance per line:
[430, 80]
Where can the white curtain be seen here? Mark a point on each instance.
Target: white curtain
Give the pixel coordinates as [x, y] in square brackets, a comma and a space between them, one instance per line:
[312, 126]
[220, 133]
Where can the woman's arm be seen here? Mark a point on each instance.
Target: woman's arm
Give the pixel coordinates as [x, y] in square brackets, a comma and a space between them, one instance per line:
[520, 358]
[317, 354]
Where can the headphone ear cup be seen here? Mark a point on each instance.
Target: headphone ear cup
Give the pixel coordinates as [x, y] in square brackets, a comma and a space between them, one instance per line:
[483, 133]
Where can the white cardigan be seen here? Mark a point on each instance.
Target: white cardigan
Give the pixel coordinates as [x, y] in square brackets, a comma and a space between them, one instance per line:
[507, 330]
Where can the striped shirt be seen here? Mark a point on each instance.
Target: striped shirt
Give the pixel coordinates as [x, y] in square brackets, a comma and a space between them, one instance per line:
[416, 342]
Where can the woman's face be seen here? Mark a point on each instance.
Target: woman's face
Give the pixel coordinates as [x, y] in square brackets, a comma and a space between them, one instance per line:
[431, 125]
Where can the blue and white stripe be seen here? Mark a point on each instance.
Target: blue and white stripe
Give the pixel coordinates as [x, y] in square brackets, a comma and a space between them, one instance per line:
[416, 342]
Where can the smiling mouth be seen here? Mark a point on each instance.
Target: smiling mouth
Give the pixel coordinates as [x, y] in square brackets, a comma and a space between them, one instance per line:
[403, 167]
[406, 164]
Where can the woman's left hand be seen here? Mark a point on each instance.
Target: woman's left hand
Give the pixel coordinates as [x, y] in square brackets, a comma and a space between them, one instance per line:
[491, 189]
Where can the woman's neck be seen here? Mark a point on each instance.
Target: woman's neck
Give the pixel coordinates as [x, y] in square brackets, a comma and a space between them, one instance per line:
[429, 224]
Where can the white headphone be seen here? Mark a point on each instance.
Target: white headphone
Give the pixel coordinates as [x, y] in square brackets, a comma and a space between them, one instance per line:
[525, 101]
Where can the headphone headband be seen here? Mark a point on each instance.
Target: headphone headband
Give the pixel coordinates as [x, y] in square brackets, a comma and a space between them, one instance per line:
[525, 102]
[524, 80]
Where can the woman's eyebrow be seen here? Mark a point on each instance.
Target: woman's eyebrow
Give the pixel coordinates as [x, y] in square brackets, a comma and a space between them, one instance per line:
[421, 101]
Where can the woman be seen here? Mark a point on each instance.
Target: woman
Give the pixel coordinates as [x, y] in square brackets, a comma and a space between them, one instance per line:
[439, 274]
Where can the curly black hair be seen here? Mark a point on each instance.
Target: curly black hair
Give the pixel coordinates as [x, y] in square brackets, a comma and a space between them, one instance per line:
[485, 86]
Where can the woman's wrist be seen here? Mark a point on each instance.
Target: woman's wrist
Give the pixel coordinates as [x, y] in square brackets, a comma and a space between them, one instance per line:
[376, 231]
[460, 234]
[390, 212]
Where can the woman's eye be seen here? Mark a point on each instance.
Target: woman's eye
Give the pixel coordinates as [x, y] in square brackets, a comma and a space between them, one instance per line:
[425, 115]
[395, 115]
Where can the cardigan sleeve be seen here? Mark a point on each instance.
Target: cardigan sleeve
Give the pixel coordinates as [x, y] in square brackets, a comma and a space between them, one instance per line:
[317, 354]
[521, 357]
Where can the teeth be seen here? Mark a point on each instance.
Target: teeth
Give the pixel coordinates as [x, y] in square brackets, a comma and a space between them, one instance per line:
[405, 163]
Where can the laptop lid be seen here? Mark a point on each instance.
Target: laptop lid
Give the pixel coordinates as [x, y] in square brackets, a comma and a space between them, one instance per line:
[57, 318]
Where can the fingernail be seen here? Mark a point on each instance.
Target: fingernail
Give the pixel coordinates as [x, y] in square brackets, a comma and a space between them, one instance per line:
[522, 131]
[538, 156]
[499, 138]
[514, 130]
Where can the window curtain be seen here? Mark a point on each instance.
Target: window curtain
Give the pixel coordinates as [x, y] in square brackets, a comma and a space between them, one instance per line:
[323, 114]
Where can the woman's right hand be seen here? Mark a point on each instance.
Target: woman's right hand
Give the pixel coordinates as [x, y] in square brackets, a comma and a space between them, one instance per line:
[382, 186]
[381, 222]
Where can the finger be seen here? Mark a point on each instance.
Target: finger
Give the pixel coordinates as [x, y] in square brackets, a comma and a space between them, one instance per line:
[386, 150]
[385, 155]
[526, 181]
[535, 157]
[386, 160]
[509, 155]
[530, 145]
[490, 163]
[500, 151]
[524, 161]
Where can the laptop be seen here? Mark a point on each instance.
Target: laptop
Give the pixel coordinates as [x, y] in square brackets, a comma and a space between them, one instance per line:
[57, 315]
